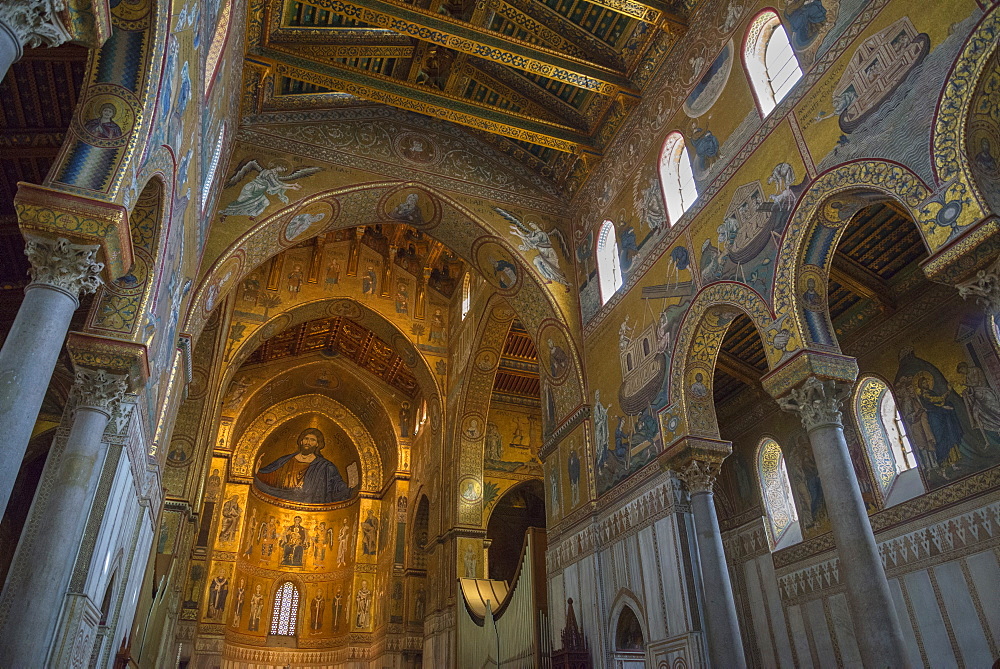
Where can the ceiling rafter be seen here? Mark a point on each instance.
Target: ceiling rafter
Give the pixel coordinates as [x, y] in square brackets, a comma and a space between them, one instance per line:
[861, 281]
[739, 369]
[460, 36]
[428, 101]
[532, 16]
[498, 80]
[528, 88]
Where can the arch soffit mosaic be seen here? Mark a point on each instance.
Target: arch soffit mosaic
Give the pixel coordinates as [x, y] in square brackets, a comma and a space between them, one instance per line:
[338, 394]
[692, 410]
[472, 408]
[822, 215]
[274, 417]
[477, 244]
[950, 160]
[139, 39]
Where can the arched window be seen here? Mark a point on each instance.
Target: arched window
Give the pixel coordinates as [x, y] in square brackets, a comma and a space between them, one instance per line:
[466, 294]
[609, 270]
[776, 489]
[889, 450]
[676, 177]
[770, 61]
[285, 613]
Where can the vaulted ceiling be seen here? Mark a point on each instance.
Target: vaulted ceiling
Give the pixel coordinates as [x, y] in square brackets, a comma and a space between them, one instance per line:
[547, 81]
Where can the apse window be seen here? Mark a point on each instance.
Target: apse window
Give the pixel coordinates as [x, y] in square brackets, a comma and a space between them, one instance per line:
[677, 177]
[777, 492]
[286, 610]
[609, 271]
[888, 447]
[770, 61]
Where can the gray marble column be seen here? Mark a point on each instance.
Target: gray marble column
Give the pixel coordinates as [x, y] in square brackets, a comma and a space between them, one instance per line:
[60, 273]
[39, 579]
[876, 625]
[725, 646]
[29, 23]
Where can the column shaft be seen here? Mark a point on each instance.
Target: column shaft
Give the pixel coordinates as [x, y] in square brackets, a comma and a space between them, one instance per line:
[725, 646]
[10, 48]
[27, 360]
[35, 601]
[875, 622]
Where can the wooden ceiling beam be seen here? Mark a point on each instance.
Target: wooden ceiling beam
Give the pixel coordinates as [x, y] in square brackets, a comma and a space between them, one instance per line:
[428, 26]
[548, 22]
[428, 101]
[861, 281]
[739, 369]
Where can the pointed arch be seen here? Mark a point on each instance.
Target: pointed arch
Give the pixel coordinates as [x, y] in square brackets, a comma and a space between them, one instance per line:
[692, 410]
[537, 300]
[955, 109]
[818, 223]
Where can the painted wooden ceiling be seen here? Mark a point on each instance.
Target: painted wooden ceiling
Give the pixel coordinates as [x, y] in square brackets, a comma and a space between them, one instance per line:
[546, 81]
[339, 337]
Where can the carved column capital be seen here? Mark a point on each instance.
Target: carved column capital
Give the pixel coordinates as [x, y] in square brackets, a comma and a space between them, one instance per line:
[60, 264]
[36, 22]
[699, 475]
[816, 402]
[985, 287]
[99, 390]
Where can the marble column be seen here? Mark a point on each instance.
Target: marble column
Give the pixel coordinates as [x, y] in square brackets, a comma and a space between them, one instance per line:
[33, 596]
[725, 646]
[60, 272]
[876, 625]
[29, 23]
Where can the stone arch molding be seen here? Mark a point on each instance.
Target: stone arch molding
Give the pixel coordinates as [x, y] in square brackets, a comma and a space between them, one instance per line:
[462, 231]
[268, 421]
[626, 597]
[819, 220]
[699, 338]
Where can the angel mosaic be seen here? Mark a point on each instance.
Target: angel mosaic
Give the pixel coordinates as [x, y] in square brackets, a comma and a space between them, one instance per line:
[253, 199]
[534, 238]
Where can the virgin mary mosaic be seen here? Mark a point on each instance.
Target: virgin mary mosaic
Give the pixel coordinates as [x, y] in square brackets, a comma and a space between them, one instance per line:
[301, 472]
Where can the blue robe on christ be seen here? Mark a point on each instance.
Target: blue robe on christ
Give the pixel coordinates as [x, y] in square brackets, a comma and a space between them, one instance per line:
[321, 482]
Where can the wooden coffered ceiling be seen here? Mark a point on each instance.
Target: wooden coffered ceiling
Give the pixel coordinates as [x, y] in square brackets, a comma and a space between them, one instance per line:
[340, 337]
[547, 81]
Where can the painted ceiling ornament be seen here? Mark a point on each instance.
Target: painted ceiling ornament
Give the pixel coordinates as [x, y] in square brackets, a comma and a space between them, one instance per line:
[534, 238]
[817, 402]
[253, 199]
